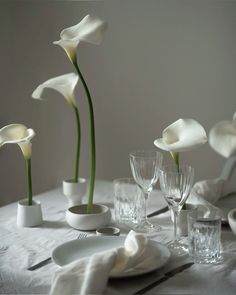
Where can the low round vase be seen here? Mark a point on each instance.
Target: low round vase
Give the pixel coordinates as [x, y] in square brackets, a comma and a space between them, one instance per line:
[78, 218]
[28, 216]
[74, 191]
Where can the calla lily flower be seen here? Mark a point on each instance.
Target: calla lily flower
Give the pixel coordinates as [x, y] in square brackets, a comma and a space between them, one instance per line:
[21, 135]
[222, 137]
[90, 29]
[182, 135]
[64, 84]
[18, 133]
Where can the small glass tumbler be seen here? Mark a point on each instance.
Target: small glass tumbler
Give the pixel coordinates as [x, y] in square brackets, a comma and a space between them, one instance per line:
[204, 236]
[128, 202]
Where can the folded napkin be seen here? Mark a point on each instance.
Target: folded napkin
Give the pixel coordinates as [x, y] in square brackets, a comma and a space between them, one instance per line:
[89, 275]
[207, 191]
[211, 190]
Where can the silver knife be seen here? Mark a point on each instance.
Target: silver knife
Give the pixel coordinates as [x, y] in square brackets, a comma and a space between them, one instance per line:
[166, 277]
[159, 211]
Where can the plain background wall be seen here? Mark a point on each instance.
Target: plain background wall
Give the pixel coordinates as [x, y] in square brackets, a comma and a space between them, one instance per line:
[159, 61]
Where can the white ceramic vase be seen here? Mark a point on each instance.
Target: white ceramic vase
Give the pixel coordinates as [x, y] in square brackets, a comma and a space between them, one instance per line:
[78, 218]
[74, 191]
[28, 216]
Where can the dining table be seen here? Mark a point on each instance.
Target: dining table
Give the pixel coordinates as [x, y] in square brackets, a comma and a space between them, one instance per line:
[22, 247]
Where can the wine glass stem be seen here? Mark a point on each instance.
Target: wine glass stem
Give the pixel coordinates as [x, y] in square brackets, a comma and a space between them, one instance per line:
[175, 224]
[146, 195]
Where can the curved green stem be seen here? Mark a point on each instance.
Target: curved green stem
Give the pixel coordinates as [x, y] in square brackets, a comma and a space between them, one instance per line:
[29, 182]
[76, 171]
[92, 141]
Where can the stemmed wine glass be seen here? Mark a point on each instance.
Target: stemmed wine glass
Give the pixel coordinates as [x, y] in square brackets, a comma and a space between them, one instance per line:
[145, 166]
[176, 184]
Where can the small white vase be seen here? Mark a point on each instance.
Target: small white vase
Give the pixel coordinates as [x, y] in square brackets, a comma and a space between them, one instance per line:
[78, 218]
[74, 191]
[28, 216]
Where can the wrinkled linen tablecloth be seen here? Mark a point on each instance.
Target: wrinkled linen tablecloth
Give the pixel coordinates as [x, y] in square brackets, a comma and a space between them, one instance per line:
[21, 248]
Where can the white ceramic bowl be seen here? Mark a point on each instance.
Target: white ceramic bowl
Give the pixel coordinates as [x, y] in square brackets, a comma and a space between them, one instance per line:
[108, 231]
[232, 220]
[78, 218]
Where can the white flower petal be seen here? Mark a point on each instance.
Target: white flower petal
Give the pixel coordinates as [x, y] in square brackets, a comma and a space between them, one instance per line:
[90, 29]
[18, 133]
[222, 138]
[15, 133]
[64, 84]
[182, 135]
[26, 148]
[69, 46]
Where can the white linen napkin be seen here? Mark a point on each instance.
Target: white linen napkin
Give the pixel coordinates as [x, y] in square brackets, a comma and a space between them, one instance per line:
[89, 275]
[207, 191]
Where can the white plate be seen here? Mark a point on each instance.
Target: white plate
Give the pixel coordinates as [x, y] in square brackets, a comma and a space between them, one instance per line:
[76, 249]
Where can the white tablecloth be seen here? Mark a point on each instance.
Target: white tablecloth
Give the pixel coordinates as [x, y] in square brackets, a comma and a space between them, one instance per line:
[21, 248]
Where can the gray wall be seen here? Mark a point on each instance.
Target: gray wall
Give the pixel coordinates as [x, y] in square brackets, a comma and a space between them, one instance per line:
[160, 60]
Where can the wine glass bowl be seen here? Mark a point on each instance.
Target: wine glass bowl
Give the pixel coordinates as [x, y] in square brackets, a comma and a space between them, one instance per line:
[145, 166]
[176, 183]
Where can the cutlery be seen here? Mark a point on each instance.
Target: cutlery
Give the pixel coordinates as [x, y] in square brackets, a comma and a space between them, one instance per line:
[49, 259]
[164, 278]
[159, 211]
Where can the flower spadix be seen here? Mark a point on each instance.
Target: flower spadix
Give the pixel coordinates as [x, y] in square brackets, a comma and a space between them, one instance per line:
[64, 84]
[182, 135]
[90, 29]
[19, 134]
[222, 137]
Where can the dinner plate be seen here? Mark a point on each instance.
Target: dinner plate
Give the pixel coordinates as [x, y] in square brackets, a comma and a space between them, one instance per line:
[76, 249]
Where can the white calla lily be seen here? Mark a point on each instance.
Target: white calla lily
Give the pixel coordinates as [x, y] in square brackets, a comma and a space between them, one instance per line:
[20, 134]
[222, 137]
[64, 84]
[90, 29]
[182, 135]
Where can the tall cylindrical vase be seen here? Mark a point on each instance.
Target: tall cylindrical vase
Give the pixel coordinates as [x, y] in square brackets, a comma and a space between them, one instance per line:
[74, 191]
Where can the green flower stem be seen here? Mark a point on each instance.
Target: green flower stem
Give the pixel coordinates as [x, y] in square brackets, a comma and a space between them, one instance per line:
[76, 172]
[29, 180]
[175, 156]
[92, 139]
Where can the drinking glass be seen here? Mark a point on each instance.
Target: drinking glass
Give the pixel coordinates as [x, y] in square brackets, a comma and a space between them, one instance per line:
[144, 167]
[204, 234]
[176, 184]
[128, 202]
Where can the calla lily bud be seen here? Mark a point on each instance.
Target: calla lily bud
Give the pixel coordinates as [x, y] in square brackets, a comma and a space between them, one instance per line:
[182, 135]
[64, 84]
[222, 137]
